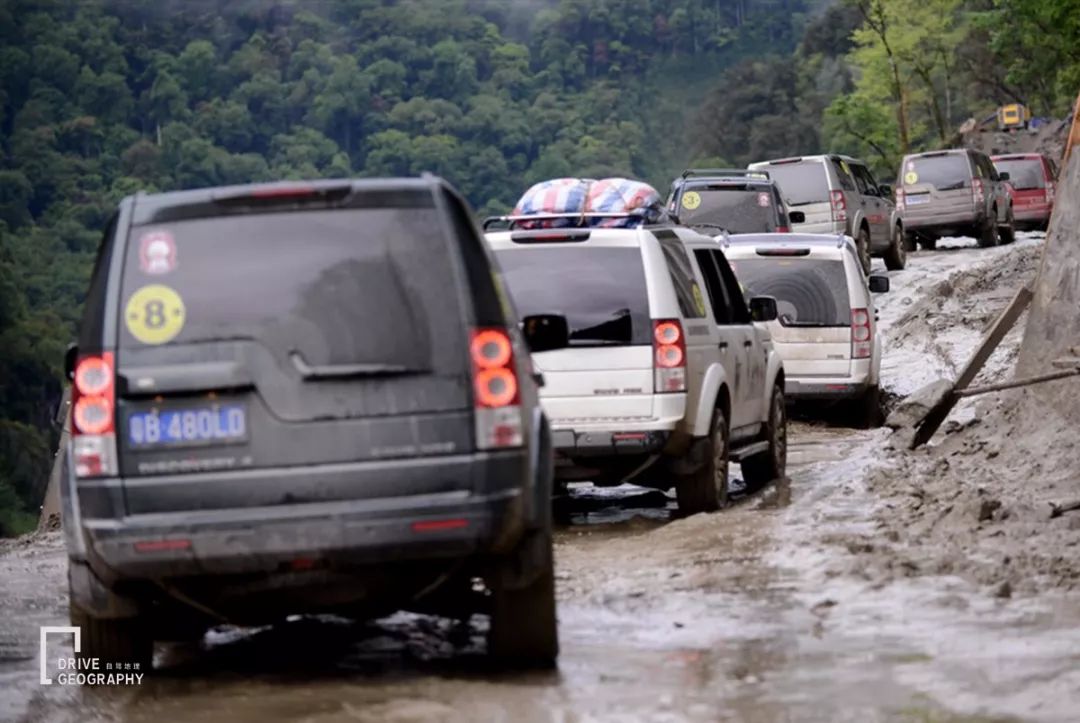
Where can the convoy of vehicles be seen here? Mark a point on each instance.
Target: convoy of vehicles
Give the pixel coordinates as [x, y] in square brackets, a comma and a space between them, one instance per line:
[664, 374]
[839, 195]
[354, 428]
[826, 326]
[716, 200]
[1032, 177]
[375, 419]
[954, 193]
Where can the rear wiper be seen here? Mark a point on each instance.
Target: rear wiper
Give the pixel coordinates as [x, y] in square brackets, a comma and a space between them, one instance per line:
[345, 371]
[691, 224]
[953, 187]
[597, 342]
[815, 324]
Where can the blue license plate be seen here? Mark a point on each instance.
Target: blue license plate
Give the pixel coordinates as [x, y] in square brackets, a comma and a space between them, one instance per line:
[194, 426]
[915, 200]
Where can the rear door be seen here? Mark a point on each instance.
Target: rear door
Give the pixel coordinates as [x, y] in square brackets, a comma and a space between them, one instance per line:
[606, 374]
[734, 207]
[937, 184]
[804, 184]
[813, 331]
[286, 335]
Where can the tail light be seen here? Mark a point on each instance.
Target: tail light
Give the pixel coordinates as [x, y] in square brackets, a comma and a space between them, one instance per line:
[977, 193]
[899, 199]
[93, 410]
[783, 229]
[496, 393]
[1049, 192]
[839, 206]
[669, 356]
[862, 335]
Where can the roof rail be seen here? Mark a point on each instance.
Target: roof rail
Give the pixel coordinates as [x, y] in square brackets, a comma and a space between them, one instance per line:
[579, 217]
[726, 172]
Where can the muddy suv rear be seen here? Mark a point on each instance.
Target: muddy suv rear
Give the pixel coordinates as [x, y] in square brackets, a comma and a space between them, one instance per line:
[294, 399]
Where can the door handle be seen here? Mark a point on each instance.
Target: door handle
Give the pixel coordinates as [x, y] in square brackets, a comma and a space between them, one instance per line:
[748, 344]
[723, 346]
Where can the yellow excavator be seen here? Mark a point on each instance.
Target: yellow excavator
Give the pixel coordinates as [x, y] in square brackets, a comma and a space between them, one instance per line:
[1013, 116]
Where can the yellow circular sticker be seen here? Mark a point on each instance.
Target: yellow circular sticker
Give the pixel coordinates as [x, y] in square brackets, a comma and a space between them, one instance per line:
[691, 200]
[699, 300]
[911, 178]
[155, 314]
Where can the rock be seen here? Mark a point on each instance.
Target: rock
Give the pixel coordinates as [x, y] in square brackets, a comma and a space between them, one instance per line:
[986, 509]
[914, 407]
[1004, 590]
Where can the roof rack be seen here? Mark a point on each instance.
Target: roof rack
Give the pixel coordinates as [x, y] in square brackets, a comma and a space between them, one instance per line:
[725, 172]
[579, 217]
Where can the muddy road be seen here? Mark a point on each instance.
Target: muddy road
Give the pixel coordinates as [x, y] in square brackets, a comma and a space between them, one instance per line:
[763, 612]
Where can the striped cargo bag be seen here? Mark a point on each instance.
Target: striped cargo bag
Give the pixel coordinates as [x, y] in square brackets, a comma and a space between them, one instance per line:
[583, 195]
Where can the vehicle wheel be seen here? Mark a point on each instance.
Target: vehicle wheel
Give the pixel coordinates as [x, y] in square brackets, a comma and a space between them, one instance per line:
[771, 464]
[911, 242]
[988, 236]
[868, 409]
[896, 255]
[707, 489]
[928, 243]
[124, 640]
[862, 243]
[523, 631]
[1007, 233]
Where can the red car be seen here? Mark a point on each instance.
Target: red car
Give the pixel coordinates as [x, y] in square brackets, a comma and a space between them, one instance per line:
[1031, 185]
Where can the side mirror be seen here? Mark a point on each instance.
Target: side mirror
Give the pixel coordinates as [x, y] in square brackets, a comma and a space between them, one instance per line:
[886, 190]
[1003, 176]
[546, 332]
[763, 308]
[878, 284]
[796, 217]
[70, 357]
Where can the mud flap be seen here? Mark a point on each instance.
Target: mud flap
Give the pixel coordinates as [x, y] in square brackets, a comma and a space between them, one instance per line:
[697, 454]
[90, 595]
[522, 567]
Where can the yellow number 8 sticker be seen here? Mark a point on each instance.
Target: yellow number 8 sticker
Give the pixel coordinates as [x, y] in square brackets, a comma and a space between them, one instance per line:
[691, 200]
[155, 314]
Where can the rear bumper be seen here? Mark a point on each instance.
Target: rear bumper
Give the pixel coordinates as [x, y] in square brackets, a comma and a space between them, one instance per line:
[954, 221]
[221, 542]
[827, 227]
[570, 443]
[849, 387]
[1032, 214]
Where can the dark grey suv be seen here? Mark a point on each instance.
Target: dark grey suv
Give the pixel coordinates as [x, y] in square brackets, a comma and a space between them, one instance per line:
[303, 398]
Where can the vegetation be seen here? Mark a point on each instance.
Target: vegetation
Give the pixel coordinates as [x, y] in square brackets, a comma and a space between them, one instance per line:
[100, 98]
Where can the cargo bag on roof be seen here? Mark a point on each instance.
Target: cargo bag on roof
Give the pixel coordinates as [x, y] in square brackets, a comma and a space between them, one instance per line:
[585, 195]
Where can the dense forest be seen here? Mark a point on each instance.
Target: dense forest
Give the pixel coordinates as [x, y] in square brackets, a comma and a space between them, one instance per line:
[101, 98]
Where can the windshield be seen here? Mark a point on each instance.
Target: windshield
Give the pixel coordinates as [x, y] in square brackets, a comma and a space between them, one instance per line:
[944, 173]
[801, 183]
[809, 292]
[737, 208]
[329, 284]
[600, 290]
[1025, 174]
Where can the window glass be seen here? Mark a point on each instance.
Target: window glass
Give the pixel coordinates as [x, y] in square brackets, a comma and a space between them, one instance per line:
[687, 291]
[801, 182]
[739, 312]
[713, 286]
[599, 289]
[945, 172]
[809, 292]
[843, 172]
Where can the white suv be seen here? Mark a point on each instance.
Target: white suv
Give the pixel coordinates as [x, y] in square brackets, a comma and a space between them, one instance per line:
[826, 326]
[653, 370]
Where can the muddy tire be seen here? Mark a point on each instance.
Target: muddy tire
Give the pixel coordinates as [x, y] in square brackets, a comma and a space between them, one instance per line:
[124, 640]
[911, 242]
[896, 254]
[868, 409]
[862, 244]
[1007, 233]
[988, 235]
[706, 490]
[524, 632]
[772, 464]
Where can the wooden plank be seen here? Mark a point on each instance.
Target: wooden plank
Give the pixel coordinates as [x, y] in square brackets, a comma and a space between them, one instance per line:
[1028, 381]
[1005, 321]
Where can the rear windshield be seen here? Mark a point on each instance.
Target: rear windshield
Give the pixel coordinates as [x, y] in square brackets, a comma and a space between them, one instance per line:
[944, 173]
[345, 286]
[809, 292]
[802, 182]
[600, 290]
[1024, 173]
[737, 208]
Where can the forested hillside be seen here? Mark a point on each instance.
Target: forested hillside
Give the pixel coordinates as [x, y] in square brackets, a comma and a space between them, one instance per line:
[101, 98]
